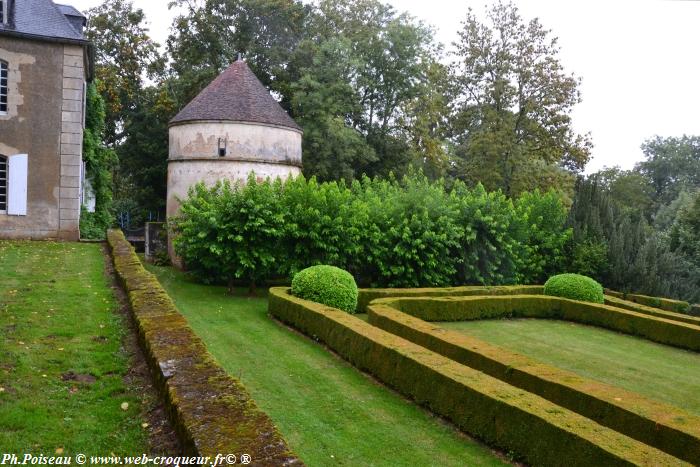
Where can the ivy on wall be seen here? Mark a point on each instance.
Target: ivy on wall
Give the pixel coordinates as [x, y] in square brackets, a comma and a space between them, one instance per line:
[99, 163]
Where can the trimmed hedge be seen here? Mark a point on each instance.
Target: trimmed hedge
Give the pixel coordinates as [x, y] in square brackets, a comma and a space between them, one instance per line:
[648, 310]
[668, 304]
[486, 407]
[367, 295]
[664, 331]
[211, 411]
[328, 285]
[654, 423]
[574, 287]
[695, 310]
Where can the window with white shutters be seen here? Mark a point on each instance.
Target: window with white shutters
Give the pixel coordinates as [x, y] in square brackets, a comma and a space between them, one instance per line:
[3, 86]
[3, 184]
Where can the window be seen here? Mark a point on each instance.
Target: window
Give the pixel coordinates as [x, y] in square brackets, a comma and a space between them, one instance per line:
[3, 183]
[3, 11]
[3, 86]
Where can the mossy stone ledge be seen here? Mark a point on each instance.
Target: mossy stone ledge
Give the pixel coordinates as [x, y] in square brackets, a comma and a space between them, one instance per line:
[212, 412]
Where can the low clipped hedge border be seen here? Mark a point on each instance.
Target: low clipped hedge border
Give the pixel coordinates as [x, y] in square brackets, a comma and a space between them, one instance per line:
[367, 295]
[649, 310]
[664, 331]
[676, 306]
[695, 310]
[212, 412]
[654, 423]
[510, 418]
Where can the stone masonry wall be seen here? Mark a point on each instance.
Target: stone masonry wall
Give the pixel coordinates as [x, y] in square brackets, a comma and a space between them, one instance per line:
[32, 126]
[72, 122]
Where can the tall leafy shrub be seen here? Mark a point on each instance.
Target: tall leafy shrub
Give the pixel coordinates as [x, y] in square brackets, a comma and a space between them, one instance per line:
[543, 251]
[231, 233]
[490, 248]
[322, 223]
[410, 234]
[406, 232]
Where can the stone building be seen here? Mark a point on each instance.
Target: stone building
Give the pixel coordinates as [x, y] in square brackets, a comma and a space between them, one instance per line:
[233, 127]
[44, 65]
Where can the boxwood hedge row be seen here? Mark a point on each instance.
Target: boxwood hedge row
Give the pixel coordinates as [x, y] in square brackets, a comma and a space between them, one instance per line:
[367, 295]
[664, 331]
[535, 429]
[654, 423]
[386, 233]
[668, 304]
[649, 310]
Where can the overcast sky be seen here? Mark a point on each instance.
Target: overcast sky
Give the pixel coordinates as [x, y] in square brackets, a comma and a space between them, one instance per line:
[638, 61]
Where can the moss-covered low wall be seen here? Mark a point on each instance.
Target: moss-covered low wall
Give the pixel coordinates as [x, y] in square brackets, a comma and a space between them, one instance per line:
[664, 331]
[668, 304]
[532, 427]
[212, 412]
[367, 295]
[648, 310]
[659, 425]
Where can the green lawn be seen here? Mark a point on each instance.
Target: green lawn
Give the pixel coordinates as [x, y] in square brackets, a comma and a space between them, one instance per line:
[61, 362]
[657, 371]
[330, 413]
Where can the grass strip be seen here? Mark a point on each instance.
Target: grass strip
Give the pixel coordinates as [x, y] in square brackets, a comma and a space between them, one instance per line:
[64, 374]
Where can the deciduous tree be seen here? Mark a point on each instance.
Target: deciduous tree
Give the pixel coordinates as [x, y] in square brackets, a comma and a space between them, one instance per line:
[512, 125]
[125, 56]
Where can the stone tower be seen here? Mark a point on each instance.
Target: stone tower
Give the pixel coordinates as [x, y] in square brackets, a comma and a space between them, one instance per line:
[233, 127]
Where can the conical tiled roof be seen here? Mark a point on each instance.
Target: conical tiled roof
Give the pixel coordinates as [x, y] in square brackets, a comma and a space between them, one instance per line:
[236, 95]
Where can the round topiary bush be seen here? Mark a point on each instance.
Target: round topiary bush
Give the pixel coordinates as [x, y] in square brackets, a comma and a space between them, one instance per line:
[575, 287]
[328, 285]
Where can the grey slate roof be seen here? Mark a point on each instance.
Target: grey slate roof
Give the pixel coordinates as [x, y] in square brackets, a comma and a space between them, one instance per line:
[236, 95]
[40, 18]
[75, 18]
[69, 10]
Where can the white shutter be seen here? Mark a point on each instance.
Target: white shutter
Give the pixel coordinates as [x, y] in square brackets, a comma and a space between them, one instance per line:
[17, 166]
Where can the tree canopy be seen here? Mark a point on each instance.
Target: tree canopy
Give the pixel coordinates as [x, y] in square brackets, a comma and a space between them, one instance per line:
[512, 126]
[376, 95]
